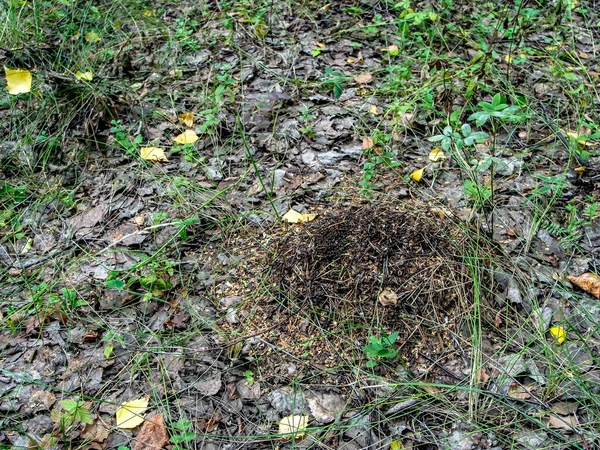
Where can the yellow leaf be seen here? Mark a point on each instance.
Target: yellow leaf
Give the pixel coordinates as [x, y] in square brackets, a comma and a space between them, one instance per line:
[18, 81]
[187, 119]
[397, 445]
[187, 137]
[558, 334]
[373, 110]
[320, 45]
[436, 155]
[131, 414]
[417, 174]
[92, 37]
[84, 76]
[293, 216]
[153, 154]
[508, 58]
[294, 424]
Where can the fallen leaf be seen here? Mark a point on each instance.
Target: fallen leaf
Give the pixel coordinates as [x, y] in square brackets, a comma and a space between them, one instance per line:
[565, 408]
[92, 37]
[95, 431]
[153, 154]
[397, 445]
[589, 282]
[373, 110]
[131, 414]
[18, 81]
[84, 76]
[518, 391]
[320, 45]
[153, 434]
[293, 216]
[558, 334]
[364, 78]
[393, 50]
[367, 143]
[187, 119]
[293, 424]
[417, 174]
[482, 375]
[508, 58]
[187, 137]
[437, 154]
[562, 422]
[387, 297]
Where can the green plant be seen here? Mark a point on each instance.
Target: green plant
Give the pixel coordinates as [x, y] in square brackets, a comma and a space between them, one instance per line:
[71, 413]
[182, 434]
[381, 348]
[249, 375]
[131, 146]
[334, 80]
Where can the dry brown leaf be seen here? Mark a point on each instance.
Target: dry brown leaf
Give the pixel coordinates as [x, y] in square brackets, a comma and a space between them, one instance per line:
[387, 297]
[565, 408]
[153, 435]
[562, 422]
[364, 78]
[367, 143]
[96, 431]
[589, 282]
[482, 376]
[515, 390]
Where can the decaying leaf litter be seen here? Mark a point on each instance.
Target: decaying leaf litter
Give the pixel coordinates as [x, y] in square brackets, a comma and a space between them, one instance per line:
[144, 255]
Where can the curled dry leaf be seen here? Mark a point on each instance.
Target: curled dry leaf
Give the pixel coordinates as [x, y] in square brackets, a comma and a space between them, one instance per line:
[558, 334]
[153, 435]
[436, 155]
[417, 174]
[388, 297]
[367, 143]
[562, 422]
[187, 119]
[589, 282]
[363, 78]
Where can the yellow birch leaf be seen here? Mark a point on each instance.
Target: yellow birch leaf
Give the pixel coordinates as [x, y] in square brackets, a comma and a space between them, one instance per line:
[294, 424]
[293, 216]
[397, 445]
[187, 137]
[417, 174]
[92, 37]
[84, 76]
[131, 414]
[373, 110]
[320, 45]
[508, 58]
[436, 155]
[187, 119]
[558, 334]
[18, 81]
[153, 154]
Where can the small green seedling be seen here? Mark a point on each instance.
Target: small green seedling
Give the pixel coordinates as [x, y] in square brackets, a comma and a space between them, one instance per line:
[381, 348]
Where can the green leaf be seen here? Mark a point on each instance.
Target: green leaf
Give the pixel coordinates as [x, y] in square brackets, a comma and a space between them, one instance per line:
[393, 337]
[466, 129]
[337, 91]
[69, 405]
[371, 363]
[115, 284]
[83, 415]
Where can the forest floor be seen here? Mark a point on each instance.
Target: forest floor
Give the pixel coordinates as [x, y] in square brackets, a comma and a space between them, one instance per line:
[275, 225]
